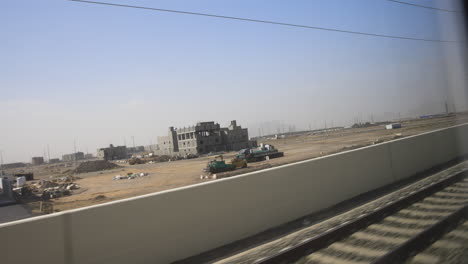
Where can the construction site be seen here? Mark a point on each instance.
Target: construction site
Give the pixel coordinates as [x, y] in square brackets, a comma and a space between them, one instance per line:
[234, 132]
[203, 138]
[78, 183]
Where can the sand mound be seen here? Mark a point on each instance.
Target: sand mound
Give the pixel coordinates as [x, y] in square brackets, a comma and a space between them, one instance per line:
[95, 165]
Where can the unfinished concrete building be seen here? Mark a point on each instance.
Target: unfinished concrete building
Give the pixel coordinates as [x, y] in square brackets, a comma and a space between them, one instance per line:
[137, 149]
[37, 160]
[112, 153]
[152, 148]
[168, 145]
[73, 157]
[204, 137]
[236, 138]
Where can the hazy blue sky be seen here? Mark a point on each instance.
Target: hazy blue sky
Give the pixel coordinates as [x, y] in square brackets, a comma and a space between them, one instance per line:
[99, 74]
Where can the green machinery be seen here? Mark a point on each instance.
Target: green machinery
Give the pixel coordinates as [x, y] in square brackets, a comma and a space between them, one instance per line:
[260, 153]
[219, 165]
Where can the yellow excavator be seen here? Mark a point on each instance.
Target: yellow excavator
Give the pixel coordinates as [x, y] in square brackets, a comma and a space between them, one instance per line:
[240, 163]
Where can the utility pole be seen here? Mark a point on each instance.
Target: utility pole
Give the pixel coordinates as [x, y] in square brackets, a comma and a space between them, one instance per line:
[1, 163]
[74, 152]
[48, 153]
[133, 138]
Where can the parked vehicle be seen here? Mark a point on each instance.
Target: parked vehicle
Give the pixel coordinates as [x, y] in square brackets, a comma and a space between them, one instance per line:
[258, 154]
[218, 165]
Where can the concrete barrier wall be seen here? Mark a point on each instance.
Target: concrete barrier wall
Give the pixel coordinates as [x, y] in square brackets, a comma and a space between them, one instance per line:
[170, 225]
[419, 153]
[462, 139]
[39, 241]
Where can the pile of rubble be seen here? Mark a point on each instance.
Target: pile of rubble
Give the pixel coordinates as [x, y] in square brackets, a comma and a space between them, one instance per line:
[130, 176]
[163, 158]
[95, 165]
[46, 189]
[154, 158]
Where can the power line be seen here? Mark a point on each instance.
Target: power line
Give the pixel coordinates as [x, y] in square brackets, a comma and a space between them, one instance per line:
[428, 7]
[267, 22]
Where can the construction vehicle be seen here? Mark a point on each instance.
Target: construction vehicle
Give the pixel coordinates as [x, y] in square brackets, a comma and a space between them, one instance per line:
[258, 154]
[240, 163]
[134, 161]
[218, 165]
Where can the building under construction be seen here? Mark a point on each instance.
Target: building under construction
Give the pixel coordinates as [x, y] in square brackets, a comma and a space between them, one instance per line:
[112, 153]
[37, 160]
[204, 137]
[73, 156]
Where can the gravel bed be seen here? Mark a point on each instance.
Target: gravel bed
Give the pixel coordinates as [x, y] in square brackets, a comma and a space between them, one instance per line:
[452, 248]
[412, 219]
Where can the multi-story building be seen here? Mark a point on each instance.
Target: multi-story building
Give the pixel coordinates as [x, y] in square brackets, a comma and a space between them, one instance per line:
[37, 160]
[112, 153]
[137, 149]
[204, 137]
[152, 148]
[235, 137]
[73, 157]
[54, 161]
[168, 145]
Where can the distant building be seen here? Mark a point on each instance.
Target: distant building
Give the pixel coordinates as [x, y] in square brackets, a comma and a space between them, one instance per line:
[168, 145]
[236, 138]
[37, 160]
[136, 149]
[204, 137]
[112, 153]
[13, 165]
[88, 156]
[54, 161]
[152, 148]
[73, 156]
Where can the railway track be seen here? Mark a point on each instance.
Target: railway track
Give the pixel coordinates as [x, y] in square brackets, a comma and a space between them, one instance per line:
[389, 234]
[391, 229]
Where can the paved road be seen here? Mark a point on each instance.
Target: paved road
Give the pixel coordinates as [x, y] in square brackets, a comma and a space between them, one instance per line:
[13, 212]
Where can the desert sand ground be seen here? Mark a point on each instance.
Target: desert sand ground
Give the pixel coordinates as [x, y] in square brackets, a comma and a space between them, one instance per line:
[98, 187]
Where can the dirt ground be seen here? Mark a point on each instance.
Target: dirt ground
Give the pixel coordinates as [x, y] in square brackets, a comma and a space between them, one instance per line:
[98, 187]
